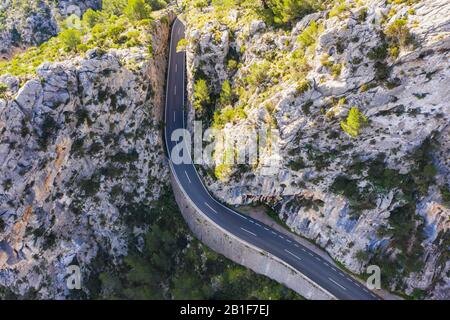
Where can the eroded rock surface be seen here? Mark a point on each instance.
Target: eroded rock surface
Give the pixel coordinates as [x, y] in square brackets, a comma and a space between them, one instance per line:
[80, 151]
[380, 197]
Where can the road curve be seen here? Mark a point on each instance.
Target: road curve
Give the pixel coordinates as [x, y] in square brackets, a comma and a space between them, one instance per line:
[327, 276]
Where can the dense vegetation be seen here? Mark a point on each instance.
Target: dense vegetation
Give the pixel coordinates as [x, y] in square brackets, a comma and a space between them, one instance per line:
[174, 265]
[405, 252]
[121, 24]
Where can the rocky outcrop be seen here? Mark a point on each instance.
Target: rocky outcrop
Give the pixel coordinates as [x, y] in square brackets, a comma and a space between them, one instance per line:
[27, 23]
[354, 196]
[80, 150]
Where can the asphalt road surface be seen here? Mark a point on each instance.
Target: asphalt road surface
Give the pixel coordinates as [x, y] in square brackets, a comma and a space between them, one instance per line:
[307, 262]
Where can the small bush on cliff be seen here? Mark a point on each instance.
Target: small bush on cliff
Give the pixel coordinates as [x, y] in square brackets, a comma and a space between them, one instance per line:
[307, 39]
[70, 38]
[355, 121]
[226, 95]
[92, 17]
[445, 192]
[399, 32]
[114, 7]
[201, 95]
[182, 44]
[286, 11]
[137, 10]
[3, 89]
[259, 74]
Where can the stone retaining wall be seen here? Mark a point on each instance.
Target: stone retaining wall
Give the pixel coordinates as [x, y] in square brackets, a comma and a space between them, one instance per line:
[243, 253]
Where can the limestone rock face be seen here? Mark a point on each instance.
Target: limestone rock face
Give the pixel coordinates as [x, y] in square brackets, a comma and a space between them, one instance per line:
[352, 195]
[33, 22]
[79, 149]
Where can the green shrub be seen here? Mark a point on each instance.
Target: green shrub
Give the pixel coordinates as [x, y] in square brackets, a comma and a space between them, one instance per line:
[226, 96]
[114, 7]
[232, 65]
[285, 11]
[336, 70]
[182, 44]
[362, 256]
[137, 10]
[309, 36]
[362, 14]
[201, 95]
[223, 171]
[399, 32]
[355, 121]
[200, 3]
[364, 199]
[259, 73]
[325, 60]
[157, 4]
[445, 192]
[90, 186]
[378, 53]
[367, 86]
[337, 10]
[394, 51]
[48, 131]
[228, 115]
[91, 17]
[3, 90]
[303, 86]
[70, 38]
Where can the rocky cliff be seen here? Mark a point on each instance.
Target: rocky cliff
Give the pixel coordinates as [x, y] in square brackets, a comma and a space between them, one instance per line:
[24, 23]
[358, 92]
[80, 153]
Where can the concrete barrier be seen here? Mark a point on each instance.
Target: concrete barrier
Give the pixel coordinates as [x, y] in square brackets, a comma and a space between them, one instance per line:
[244, 253]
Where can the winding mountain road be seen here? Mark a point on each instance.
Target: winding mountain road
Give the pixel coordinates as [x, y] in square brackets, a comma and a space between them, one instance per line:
[320, 271]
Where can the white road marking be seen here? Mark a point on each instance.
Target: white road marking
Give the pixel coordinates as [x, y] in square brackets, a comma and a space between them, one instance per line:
[296, 245]
[234, 212]
[175, 90]
[310, 254]
[274, 233]
[251, 221]
[176, 67]
[187, 177]
[297, 257]
[288, 240]
[249, 232]
[303, 250]
[337, 283]
[174, 116]
[258, 224]
[266, 229]
[210, 207]
[281, 237]
[341, 274]
[317, 258]
[333, 269]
